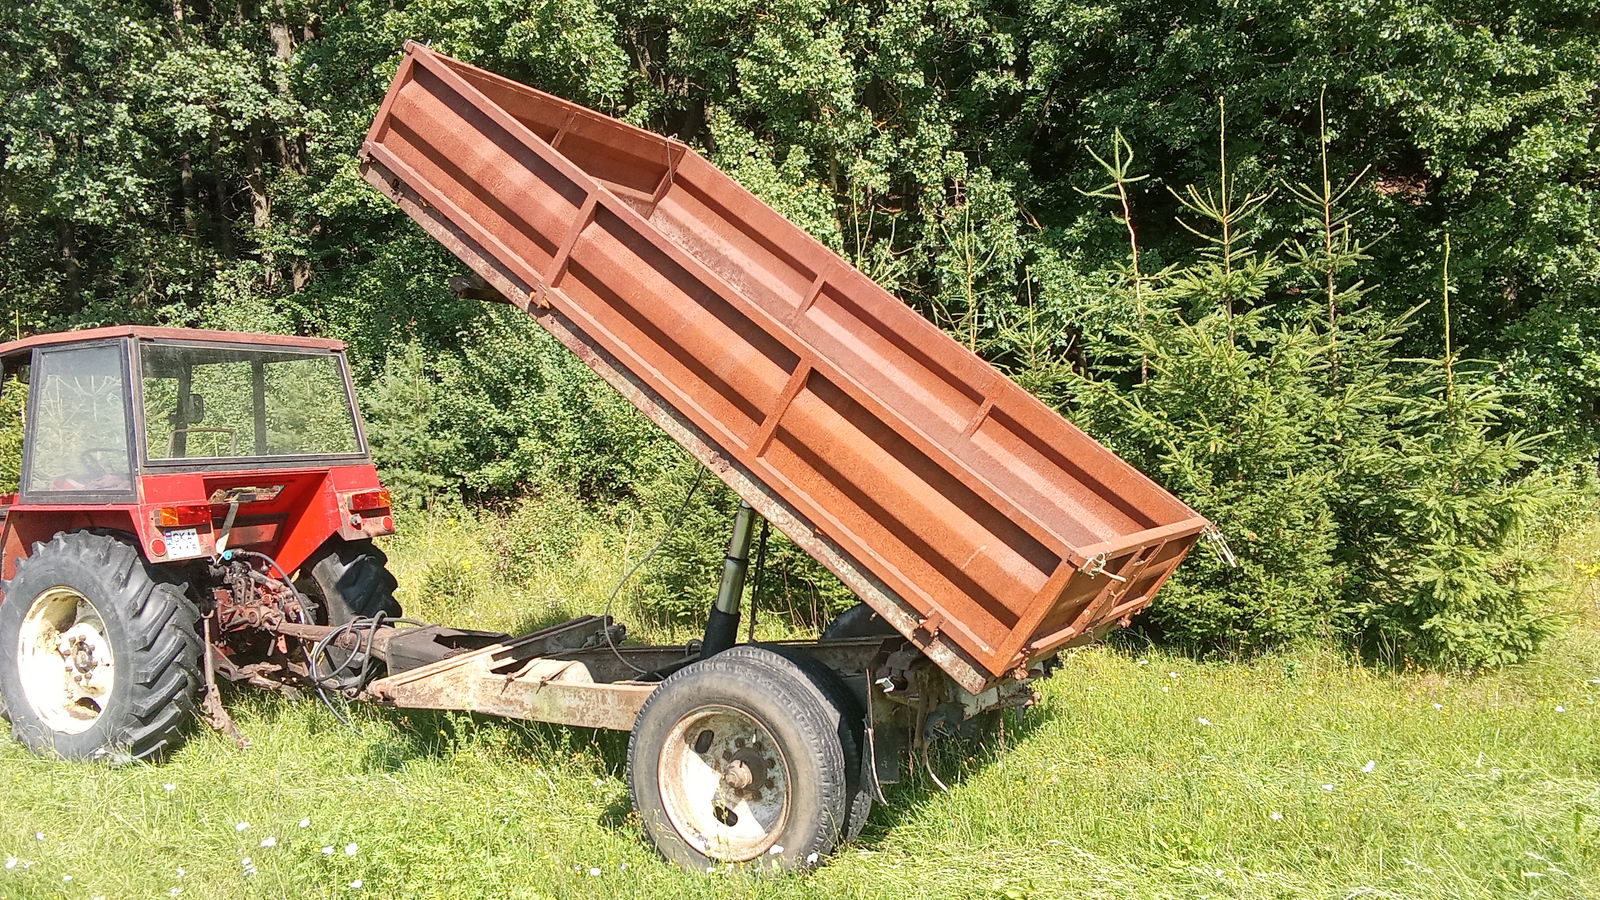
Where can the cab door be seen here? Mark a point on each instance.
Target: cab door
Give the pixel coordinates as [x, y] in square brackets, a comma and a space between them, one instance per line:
[78, 437]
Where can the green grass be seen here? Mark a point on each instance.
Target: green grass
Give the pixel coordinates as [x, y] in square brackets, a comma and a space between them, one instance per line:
[1112, 787]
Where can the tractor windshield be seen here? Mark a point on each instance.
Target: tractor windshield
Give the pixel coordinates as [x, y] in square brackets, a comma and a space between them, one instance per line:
[220, 402]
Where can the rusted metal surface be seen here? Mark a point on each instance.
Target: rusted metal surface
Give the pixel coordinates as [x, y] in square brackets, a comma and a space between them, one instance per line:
[518, 680]
[978, 522]
[147, 332]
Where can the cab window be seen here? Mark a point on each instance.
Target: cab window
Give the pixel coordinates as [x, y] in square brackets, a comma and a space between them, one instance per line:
[78, 426]
[216, 403]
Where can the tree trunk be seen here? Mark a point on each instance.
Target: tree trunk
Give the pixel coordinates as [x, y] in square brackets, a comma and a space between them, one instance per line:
[254, 145]
[190, 192]
[71, 264]
[291, 147]
[221, 225]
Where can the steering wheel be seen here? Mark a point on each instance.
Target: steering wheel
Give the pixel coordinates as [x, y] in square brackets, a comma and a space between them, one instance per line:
[92, 466]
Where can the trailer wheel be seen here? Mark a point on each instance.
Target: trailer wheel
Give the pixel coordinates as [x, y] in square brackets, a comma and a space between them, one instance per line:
[852, 734]
[346, 579]
[738, 758]
[858, 621]
[99, 659]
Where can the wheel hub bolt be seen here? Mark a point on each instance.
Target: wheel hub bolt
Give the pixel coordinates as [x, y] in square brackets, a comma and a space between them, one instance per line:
[738, 775]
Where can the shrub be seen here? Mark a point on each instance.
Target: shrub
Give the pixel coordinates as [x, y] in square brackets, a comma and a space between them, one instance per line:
[1372, 498]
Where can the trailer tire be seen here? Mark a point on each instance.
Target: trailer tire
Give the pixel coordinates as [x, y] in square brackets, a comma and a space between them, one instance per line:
[858, 621]
[852, 734]
[346, 579]
[747, 736]
[135, 641]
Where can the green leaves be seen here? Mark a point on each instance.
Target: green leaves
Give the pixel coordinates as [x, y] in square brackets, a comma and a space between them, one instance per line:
[1241, 338]
[1370, 498]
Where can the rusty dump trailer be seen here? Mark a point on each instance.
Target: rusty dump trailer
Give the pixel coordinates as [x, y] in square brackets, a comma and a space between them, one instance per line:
[986, 532]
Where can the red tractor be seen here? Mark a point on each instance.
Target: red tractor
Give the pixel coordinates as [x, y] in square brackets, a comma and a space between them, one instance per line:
[178, 488]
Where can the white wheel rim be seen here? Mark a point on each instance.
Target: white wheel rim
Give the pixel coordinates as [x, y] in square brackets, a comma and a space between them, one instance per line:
[725, 784]
[65, 661]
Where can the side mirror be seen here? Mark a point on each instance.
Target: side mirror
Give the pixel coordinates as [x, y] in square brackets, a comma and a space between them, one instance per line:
[194, 410]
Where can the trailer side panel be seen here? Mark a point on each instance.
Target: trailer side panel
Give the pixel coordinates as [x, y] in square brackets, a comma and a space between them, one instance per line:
[977, 520]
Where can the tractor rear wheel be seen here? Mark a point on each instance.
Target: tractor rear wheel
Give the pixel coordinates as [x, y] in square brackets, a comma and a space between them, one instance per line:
[739, 759]
[100, 659]
[347, 579]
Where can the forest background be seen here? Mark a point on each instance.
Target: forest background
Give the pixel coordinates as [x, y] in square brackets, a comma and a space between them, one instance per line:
[1326, 270]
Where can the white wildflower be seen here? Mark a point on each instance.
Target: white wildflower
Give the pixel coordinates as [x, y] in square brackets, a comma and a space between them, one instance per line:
[357, 884]
[38, 835]
[811, 859]
[169, 787]
[11, 862]
[1203, 721]
[594, 871]
[305, 823]
[241, 826]
[776, 849]
[1277, 817]
[66, 878]
[1561, 709]
[1327, 787]
[1172, 674]
[270, 842]
[175, 891]
[1438, 706]
[181, 872]
[328, 850]
[624, 867]
[350, 849]
[1144, 662]
[1370, 766]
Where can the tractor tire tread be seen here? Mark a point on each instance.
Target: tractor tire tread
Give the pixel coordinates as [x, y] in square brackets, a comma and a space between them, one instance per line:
[163, 640]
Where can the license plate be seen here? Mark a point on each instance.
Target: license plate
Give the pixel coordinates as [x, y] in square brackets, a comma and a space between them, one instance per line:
[182, 543]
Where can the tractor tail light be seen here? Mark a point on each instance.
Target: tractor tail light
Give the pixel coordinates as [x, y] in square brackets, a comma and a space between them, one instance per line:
[366, 500]
[170, 516]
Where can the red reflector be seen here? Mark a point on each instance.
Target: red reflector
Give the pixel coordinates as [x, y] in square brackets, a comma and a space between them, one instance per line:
[169, 516]
[158, 547]
[366, 500]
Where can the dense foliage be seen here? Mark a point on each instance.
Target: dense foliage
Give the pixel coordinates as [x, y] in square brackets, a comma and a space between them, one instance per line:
[1253, 346]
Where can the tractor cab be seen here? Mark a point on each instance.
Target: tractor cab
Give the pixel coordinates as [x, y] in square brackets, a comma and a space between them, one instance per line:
[191, 442]
[173, 490]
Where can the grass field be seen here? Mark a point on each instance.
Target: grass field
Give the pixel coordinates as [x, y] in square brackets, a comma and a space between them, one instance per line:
[1140, 775]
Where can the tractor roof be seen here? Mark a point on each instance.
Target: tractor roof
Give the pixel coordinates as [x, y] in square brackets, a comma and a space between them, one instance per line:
[170, 334]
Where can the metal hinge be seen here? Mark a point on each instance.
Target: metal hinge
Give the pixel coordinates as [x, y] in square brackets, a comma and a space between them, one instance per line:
[1097, 566]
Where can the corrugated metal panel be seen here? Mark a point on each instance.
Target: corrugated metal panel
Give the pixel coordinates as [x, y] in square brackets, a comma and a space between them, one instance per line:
[978, 520]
